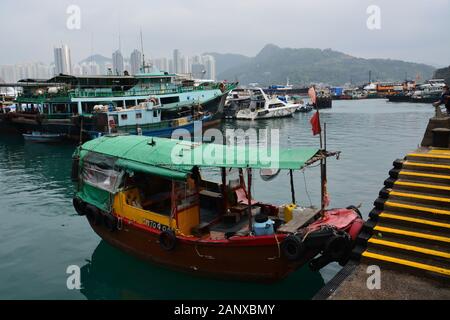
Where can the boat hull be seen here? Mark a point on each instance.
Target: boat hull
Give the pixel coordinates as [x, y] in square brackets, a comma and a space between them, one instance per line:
[239, 260]
[266, 114]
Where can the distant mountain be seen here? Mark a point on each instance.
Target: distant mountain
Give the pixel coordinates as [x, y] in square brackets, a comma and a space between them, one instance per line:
[443, 73]
[226, 61]
[273, 65]
[97, 58]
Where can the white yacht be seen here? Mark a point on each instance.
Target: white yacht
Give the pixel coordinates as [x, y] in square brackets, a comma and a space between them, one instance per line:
[265, 107]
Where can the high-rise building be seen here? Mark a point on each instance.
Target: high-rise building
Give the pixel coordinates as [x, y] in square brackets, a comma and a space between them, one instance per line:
[117, 61]
[210, 66]
[176, 61]
[63, 61]
[135, 61]
[162, 64]
[198, 71]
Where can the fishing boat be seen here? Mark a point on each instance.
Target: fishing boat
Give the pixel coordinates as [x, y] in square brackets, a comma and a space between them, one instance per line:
[264, 107]
[149, 118]
[57, 105]
[40, 137]
[305, 108]
[149, 197]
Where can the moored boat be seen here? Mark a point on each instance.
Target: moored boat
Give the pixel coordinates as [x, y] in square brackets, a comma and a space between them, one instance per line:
[39, 137]
[264, 107]
[148, 197]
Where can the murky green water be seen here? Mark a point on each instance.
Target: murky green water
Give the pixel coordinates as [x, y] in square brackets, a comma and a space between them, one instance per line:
[41, 235]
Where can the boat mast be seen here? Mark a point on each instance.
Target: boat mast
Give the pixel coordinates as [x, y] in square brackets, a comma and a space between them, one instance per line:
[143, 55]
[291, 174]
[224, 190]
[323, 169]
[249, 196]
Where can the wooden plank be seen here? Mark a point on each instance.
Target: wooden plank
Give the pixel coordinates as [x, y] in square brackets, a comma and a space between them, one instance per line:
[299, 220]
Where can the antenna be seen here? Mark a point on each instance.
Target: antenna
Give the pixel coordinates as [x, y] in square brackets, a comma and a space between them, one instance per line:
[143, 55]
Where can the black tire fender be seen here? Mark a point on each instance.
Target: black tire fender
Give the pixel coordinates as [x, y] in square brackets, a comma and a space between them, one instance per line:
[168, 240]
[110, 222]
[80, 206]
[292, 247]
[338, 247]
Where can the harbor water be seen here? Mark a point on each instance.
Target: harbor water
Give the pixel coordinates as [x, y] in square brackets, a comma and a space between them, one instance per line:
[41, 235]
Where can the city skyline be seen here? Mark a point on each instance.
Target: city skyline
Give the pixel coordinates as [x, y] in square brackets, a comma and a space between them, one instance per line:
[204, 65]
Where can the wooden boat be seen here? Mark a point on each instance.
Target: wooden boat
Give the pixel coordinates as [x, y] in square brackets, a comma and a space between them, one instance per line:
[40, 137]
[148, 197]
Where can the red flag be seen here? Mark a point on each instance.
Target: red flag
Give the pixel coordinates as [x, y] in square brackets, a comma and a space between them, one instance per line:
[312, 95]
[315, 123]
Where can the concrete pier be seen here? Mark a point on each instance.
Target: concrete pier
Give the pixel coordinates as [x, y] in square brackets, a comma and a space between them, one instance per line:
[407, 235]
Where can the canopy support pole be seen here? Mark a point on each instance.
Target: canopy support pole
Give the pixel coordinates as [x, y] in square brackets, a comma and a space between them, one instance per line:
[224, 190]
[323, 172]
[249, 195]
[291, 173]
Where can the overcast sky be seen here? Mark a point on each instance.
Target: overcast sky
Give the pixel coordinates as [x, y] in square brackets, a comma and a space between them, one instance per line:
[412, 30]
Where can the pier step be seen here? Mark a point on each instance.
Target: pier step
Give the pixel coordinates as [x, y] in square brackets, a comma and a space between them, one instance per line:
[415, 197]
[436, 157]
[413, 207]
[405, 261]
[409, 227]
[419, 176]
[411, 220]
[422, 166]
[420, 234]
[424, 187]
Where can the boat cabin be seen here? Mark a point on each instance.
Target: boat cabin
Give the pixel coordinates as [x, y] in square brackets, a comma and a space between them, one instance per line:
[160, 184]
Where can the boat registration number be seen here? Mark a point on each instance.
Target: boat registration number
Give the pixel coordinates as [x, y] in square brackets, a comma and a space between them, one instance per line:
[156, 225]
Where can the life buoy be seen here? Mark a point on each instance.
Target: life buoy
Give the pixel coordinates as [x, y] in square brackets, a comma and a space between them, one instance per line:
[168, 240]
[292, 248]
[80, 206]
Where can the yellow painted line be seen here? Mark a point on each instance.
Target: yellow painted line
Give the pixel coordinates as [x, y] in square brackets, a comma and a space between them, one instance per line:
[439, 151]
[408, 263]
[426, 165]
[415, 220]
[410, 248]
[419, 208]
[427, 175]
[412, 234]
[429, 155]
[421, 185]
[418, 196]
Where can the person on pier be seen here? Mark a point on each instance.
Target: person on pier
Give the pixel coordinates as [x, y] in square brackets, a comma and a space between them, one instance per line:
[445, 99]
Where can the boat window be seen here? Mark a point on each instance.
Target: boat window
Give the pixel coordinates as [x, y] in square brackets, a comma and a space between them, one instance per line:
[155, 113]
[154, 193]
[98, 171]
[124, 116]
[138, 115]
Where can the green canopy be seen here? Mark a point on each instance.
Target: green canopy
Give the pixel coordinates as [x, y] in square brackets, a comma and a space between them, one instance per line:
[175, 158]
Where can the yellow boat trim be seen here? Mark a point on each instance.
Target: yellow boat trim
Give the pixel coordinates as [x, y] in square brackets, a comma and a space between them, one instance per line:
[426, 165]
[420, 174]
[430, 155]
[419, 208]
[418, 196]
[416, 220]
[408, 263]
[410, 248]
[412, 234]
[421, 185]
